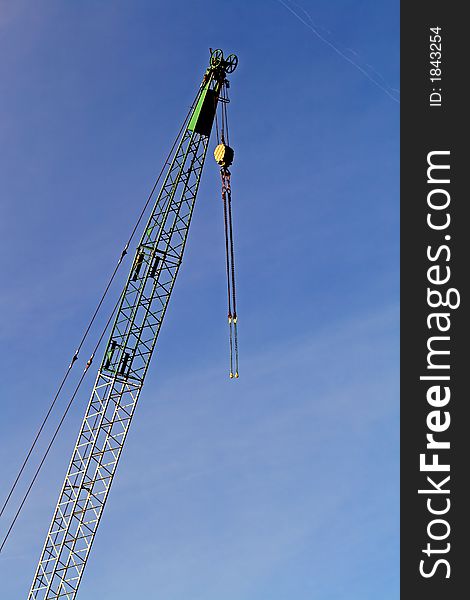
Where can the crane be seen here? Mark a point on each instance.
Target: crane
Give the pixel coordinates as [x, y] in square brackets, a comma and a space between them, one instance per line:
[140, 313]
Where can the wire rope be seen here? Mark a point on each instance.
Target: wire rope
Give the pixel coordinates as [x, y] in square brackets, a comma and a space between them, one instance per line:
[82, 340]
[72, 398]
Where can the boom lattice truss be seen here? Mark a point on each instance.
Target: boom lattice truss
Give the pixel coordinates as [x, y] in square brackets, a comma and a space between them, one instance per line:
[133, 337]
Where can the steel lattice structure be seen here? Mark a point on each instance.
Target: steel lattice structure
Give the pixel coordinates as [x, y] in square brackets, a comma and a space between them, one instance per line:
[133, 338]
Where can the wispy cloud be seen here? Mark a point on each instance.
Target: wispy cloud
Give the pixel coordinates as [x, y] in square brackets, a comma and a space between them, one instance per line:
[307, 20]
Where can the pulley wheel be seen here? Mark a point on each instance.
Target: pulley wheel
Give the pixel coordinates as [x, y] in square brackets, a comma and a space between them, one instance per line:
[217, 57]
[231, 61]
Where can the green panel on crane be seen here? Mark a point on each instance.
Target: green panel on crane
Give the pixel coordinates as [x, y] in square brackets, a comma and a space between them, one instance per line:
[204, 113]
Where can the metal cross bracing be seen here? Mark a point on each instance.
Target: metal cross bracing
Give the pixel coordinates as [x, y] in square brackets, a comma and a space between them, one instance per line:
[120, 377]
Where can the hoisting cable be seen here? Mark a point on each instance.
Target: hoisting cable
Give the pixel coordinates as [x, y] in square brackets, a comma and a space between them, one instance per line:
[227, 262]
[226, 100]
[232, 264]
[67, 408]
[217, 128]
[224, 156]
[103, 296]
[230, 221]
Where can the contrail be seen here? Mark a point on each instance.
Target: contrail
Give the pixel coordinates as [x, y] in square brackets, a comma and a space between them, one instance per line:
[338, 51]
[309, 17]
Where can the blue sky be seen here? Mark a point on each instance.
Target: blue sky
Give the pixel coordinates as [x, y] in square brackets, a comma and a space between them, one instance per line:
[284, 483]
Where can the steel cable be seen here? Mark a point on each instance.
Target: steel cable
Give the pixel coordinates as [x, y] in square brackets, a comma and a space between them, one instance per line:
[232, 264]
[227, 263]
[229, 246]
[38, 469]
[84, 337]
